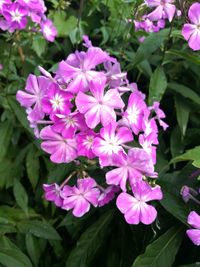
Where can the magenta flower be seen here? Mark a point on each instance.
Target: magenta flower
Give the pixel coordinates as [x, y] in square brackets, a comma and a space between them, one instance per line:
[62, 150]
[52, 193]
[194, 234]
[107, 195]
[99, 107]
[4, 2]
[80, 197]
[164, 9]
[56, 101]
[132, 166]
[68, 124]
[110, 143]
[160, 115]
[135, 209]
[36, 88]
[48, 30]
[191, 31]
[114, 75]
[85, 142]
[16, 16]
[135, 111]
[78, 70]
[35, 5]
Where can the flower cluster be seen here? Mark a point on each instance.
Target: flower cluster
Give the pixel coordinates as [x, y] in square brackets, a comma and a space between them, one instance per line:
[14, 16]
[165, 10]
[83, 107]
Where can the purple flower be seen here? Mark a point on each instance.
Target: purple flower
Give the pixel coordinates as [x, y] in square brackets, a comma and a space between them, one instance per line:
[52, 193]
[99, 107]
[114, 75]
[135, 209]
[110, 143]
[194, 234]
[62, 150]
[164, 9]
[35, 5]
[48, 30]
[107, 195]
[78, 70]
[4, 2]
[159, 115]
[85, 142]
[80, 197]
[191, 31]
[36, 88]
[16, 16]
[56, 101]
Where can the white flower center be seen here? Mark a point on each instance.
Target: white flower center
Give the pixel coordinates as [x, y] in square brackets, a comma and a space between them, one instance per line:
[16, 15]
[57, 102]
[47, 31]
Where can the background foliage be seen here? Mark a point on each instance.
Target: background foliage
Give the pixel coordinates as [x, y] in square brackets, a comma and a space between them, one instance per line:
[33, 232]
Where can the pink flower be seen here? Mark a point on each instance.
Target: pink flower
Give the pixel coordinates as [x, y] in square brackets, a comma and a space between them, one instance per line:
[52, 193]
[68, 124]
[78, 70]
[36, 88]
[191, 31]
[85, 142]
[132, 166]
[99, 107]
[159, 115]
[110, 143]
[80, 197]
[134, 113]
[194, 234]
[48, 30]
[56, 101]
[135, 209]
[62, 150]
[16, 16]
[114, 75]
[164, 9]
[35, 5]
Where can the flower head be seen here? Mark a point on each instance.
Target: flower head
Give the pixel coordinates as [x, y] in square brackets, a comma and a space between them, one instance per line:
[194, 234]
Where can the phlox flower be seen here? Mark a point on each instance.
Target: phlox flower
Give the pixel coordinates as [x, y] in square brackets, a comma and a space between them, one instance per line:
[48, 30]
[191, 31]
[114, 75]
[107, 195]
[62, 150]
[131, 166]
[135, 208]
[52, 193]
[4, 2]
[194, 234]
[78, 69]
[85, 141]
[56, 101]
[68, 124]
[15, 15]
[35, 5]
[99, 107]
[160, 115]
[80, 197]
[36, 88]
[110, 142]
[164, 9]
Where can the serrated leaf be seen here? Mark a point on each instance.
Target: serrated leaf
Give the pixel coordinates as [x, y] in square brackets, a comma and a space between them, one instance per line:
[39, 45]
[182, 114]
[14, 258]
[6, 130]
[185, 91]
[90, 242]
[20, 196]
[158, 85]
[38, 228]
[32, 166]
[162, 251]
[150, 45]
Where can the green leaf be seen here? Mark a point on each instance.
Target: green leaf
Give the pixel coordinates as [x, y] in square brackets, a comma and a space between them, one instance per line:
[6, 130]
[162, 251]
[39, 45]
[158, 85]
[63, 24]
[192, 154]
[182, 114]
[32, 166]
[176, 143]
[150, 45]
[185, 91]
[20, 196]
[14, 258]
[38, 228]
[195, 59]
[90, 242]
[33, 249]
